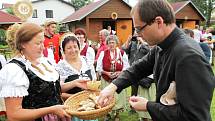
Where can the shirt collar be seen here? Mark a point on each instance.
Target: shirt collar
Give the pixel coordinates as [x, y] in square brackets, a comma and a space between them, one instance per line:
[170, 39]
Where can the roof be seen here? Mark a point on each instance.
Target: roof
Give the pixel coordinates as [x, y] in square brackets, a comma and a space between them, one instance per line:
[86, 10]
[177, 6]
[8, 18]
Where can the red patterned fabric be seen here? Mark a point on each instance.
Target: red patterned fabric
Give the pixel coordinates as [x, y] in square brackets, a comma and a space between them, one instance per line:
[106, 62]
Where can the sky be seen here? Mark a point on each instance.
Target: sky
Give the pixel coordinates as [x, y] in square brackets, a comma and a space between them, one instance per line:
[132, 2]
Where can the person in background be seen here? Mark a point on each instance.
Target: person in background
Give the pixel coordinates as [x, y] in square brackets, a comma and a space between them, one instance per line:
[102, 37]
[208, 39]
[73, 67]
[32, 89]
[110, 64]
[51, 42]
[180, 70]
[136, 48]
[110, 30]
[197, 34]
[94, 45]
[204, 46]
[63, 30]
[86, 50]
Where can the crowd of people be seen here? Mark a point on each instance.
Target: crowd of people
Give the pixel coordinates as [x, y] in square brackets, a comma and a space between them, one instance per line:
[167, 68]
[205, 38]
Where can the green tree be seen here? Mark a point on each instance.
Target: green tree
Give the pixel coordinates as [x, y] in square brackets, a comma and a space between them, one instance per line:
[10, 10]
[80, 3]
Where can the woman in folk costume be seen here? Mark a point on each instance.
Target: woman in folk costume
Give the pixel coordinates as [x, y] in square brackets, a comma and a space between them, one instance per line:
[29, 84]
[73, 67]
[110, 64]
[86, 50]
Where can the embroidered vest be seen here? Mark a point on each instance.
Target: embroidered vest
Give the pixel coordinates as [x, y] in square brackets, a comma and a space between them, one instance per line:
[107, 66]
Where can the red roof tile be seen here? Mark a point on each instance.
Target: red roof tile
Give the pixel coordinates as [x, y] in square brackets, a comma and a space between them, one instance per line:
[8, 18]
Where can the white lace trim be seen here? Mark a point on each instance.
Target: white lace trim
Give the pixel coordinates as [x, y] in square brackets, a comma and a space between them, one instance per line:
[11, 91]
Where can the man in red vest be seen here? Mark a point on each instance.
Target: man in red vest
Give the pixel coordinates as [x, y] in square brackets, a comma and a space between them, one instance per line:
[51, 40]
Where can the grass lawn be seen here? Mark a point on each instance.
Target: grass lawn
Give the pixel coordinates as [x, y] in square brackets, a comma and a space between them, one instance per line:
[213, 108]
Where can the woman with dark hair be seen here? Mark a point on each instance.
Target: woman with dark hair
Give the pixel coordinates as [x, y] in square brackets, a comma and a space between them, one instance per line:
[30, 84]
[73, 67]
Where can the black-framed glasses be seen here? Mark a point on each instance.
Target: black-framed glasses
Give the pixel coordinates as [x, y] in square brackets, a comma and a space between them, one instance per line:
[138, 29]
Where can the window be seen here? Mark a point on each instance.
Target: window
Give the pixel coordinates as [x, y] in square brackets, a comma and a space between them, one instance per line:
[34, 13]
[49, 13]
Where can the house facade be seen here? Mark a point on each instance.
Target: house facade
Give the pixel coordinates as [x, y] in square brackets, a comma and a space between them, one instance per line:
[187, 14]
[44, 10]
[98, 15]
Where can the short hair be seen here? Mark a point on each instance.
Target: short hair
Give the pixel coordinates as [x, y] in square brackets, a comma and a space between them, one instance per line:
[105, 32]
[49, 22]
[26, 33]
[112, 37]
[68, 39]
[196, 26]
[149, 9]
[81, 31]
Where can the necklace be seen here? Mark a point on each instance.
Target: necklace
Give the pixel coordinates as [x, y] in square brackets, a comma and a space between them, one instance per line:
[39, 70]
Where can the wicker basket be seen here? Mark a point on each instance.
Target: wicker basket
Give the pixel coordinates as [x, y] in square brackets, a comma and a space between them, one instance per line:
[73, 104]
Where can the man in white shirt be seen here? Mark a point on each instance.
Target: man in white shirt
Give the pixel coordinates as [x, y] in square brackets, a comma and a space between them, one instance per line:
[197, 34]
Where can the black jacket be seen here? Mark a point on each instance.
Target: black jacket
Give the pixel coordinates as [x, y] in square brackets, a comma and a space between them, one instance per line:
[178, 58]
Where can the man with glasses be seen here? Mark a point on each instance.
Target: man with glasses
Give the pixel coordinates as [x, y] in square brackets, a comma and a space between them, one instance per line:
[184, 79]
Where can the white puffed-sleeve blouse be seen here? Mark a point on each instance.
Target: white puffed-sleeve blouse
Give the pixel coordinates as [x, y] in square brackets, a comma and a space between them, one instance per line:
[15, 83]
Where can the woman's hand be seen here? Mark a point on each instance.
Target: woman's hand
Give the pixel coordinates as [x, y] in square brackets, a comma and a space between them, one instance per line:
[109, 74]
[80, 83]
[117, 74]
[59, 110]
[138, 103]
